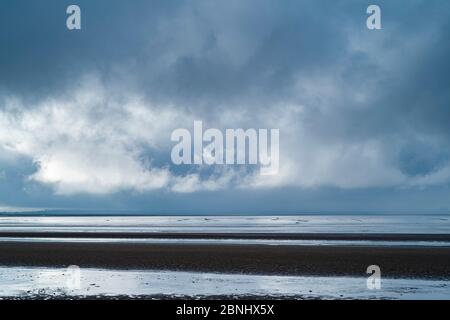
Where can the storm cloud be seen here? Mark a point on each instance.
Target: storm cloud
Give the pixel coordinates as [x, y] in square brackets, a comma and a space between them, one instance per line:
[89, 112]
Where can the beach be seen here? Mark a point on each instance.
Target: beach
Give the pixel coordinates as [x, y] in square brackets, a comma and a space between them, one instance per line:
[230, 250]
[425, 262]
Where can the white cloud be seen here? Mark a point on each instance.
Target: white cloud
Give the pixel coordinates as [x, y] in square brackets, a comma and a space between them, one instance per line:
[88, 142]
[220, 179]
[437, 177]
[99, 142]
[96, 170]
[13, 209]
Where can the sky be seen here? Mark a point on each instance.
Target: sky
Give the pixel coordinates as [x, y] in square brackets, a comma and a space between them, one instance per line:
[86, 115]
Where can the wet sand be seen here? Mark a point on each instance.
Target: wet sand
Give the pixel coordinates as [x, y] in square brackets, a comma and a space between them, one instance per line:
[230, 235]
[407, 262]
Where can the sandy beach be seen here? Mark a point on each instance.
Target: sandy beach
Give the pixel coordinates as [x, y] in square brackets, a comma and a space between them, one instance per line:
[420, 262]
[413, 237]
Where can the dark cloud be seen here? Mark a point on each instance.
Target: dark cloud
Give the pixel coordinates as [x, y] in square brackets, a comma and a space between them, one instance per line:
[355, 85]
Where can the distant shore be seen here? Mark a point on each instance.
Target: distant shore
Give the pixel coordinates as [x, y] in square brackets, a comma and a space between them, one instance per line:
[406, 262]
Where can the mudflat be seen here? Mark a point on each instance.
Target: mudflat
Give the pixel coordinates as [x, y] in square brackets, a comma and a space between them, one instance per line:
[394, 261]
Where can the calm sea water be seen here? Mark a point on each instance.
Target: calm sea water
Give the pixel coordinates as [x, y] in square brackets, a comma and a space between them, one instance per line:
[439, 224]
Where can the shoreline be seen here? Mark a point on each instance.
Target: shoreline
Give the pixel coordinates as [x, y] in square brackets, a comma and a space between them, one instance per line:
[52, 283]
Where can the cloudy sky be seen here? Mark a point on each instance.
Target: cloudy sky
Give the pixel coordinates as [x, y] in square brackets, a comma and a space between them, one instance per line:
[364, 115]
